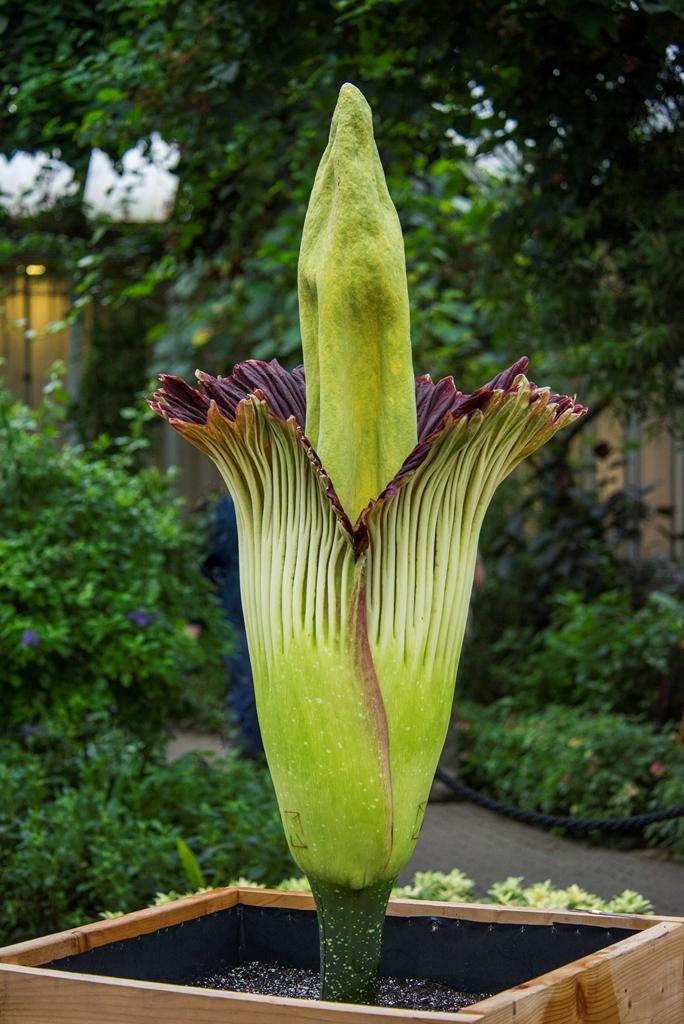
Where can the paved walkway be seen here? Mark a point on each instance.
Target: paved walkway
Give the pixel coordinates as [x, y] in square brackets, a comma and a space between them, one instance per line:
[488, 848]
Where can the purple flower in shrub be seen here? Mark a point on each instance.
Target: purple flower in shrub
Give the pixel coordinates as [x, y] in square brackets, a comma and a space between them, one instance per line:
[143, 618]
[32, 732]
[30, 638]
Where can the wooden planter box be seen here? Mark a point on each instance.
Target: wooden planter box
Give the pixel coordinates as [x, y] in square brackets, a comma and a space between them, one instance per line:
[621, 969]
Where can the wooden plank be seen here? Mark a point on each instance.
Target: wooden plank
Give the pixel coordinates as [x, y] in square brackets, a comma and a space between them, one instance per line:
[468, 911]
[519, 915]
[77, 940]
[33, 996]
[99, 933]
[635, 981]
[275, 898]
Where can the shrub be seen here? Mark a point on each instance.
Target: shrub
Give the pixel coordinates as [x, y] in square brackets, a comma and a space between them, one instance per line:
[545, 533]
[88, 823]
[438, 885]
[456, 888]
[599, 654]
[98, 577]
[558, 761]
[512, 893]
[669, 792]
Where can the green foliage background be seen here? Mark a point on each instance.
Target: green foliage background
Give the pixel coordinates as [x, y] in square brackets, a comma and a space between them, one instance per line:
[534, 150]
[573, 254]
[593, 766]
[90, 817]
[99, 576]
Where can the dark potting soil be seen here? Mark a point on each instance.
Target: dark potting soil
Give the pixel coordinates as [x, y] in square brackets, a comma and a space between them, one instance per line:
[277, 980]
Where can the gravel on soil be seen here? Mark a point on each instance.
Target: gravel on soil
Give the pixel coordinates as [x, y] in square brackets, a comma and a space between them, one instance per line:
[278, 980]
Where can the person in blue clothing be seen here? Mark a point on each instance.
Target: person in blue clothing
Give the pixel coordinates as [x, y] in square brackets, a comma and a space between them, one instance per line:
[223, 567]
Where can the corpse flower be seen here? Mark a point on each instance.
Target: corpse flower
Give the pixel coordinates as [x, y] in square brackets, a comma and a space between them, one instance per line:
[359, 496]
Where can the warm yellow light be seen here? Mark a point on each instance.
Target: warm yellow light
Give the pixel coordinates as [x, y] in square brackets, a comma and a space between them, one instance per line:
[35, 269]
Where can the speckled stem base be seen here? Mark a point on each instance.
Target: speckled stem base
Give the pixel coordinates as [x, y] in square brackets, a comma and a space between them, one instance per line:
[350, 923]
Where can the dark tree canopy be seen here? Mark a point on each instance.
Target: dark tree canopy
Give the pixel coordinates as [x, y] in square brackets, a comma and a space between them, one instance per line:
[573, 253]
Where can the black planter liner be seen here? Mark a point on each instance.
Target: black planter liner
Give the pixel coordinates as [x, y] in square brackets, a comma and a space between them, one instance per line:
[471, 956]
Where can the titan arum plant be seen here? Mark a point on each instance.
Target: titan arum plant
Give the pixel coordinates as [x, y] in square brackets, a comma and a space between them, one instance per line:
[359, 496]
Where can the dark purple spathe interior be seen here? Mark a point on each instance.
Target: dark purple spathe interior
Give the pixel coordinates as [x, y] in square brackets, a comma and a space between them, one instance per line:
[285, 394]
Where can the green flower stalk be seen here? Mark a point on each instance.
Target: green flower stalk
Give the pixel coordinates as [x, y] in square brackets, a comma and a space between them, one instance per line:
[359, 502]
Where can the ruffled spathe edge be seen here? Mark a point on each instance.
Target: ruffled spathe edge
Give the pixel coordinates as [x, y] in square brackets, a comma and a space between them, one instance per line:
[439, 408]
[283, 394]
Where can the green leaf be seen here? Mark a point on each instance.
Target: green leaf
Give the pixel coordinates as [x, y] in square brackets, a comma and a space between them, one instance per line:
[193, 871]
[109, 95]
[91, 118]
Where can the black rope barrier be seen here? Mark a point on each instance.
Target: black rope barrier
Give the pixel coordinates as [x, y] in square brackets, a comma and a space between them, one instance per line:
[631, 824]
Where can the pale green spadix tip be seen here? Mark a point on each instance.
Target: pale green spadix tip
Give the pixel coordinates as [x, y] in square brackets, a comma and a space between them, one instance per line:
[354, 314]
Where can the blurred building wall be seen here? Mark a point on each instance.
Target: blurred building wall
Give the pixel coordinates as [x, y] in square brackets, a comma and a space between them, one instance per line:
[642, 456]
[32, 303]
[30, 306]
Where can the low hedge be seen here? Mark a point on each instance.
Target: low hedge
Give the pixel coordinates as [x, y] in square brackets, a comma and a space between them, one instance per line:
[94, 822]
[99, 577]
[562, 762]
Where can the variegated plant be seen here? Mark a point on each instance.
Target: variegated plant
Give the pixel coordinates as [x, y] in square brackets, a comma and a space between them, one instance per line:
[359, 501]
